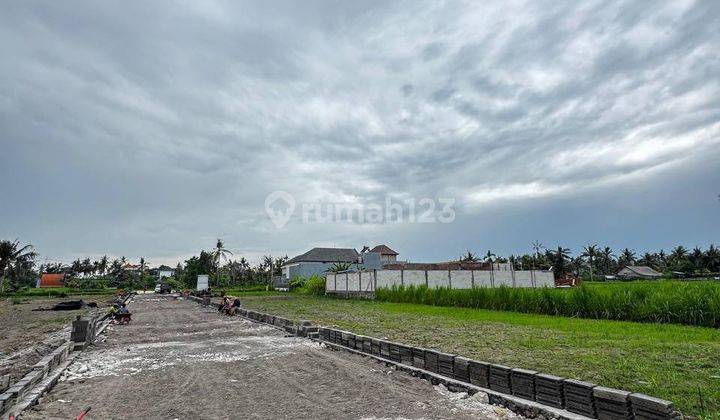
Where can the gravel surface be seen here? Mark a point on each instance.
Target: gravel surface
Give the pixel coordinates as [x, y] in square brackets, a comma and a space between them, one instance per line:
[179, 360]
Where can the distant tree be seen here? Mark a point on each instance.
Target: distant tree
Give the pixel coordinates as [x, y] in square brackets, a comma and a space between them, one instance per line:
[469, 257]
[608, 260]
[219, 253]
[537, 246]
[103, 265]
[560, 257]
[627, 258]
[14, 261]
[712, 259]
[591, 252]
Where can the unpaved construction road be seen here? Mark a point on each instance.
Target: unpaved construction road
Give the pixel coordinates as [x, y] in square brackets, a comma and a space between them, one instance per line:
[179, 360]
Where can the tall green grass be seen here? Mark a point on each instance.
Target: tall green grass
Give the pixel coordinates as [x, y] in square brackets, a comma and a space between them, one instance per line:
[690, 303]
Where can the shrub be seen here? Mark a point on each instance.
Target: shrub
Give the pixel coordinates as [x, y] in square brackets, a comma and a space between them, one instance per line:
[690, 303]
[315, 285]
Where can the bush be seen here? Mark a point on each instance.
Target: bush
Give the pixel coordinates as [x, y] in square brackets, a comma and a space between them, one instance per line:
[315, 285]
[690, 303]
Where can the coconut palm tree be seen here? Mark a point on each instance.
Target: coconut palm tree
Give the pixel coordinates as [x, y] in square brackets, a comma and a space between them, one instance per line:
[536, 246]
[220, 252]
[12, 258]
[560, 257]
[339, 267]
[712, 258]
[469, 257]
[627, 257]
[608, 259]
[591, 252]
[103, 265]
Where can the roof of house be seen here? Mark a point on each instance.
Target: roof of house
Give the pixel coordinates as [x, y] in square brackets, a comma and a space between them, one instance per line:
[642, 270]
[383, 250]
[52, 280]
[349, 255]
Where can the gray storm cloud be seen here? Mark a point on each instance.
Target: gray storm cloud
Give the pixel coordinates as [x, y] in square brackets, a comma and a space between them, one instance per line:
[149, 129]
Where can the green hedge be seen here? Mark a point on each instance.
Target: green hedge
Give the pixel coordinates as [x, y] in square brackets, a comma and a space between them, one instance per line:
[690, 303]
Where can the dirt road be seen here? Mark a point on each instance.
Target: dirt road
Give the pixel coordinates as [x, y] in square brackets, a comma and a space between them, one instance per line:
[179, 360]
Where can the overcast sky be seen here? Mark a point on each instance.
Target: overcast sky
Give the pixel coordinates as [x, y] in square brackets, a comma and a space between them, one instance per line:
[153, 128]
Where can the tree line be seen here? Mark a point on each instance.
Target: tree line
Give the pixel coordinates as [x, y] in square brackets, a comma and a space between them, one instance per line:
[595, 261]
[18, 269]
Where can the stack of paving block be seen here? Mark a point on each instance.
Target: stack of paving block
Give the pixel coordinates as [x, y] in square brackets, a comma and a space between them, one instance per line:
[345, 338]
[418, 357]
[359, 339]
[579, 397]
[479, 373]
[650, 408]
[461, 366]
[549, 390]
[385, 349]
[431, 361]
[612, 403]
[522, 382]
[445, 364]
[375, 347]
[350, 340]
[500, 379]
[395, 352]
[367, 345]
[324, 334]
[406, 355]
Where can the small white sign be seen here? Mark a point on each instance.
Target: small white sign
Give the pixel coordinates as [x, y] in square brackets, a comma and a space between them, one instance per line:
[202, 283]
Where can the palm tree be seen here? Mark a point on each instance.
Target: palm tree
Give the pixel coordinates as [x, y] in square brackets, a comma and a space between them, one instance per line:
[489, 258]
[220, 252]
[647, 259]
[103, 265]
[712, 258]
[627, 257]
[339, 266]
[697, 258]
[608, 258]
[536, 246]
[12, 258]
[591, 252]
[267, 261]
[560, 261]
[469, 257]
[143, 266]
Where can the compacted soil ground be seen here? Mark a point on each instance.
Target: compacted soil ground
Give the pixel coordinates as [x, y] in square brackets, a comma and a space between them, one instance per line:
[180, 360]
[27, 335]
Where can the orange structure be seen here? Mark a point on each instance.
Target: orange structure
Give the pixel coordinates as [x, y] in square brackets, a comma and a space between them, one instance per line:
[52, 280]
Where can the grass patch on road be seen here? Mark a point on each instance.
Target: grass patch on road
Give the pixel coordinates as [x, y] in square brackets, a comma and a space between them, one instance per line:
[678, 363]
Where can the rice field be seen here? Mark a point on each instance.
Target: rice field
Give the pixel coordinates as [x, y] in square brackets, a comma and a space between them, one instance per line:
[669, 302]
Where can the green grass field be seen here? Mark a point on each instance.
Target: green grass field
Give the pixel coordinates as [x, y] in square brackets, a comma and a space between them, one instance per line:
[674, 362]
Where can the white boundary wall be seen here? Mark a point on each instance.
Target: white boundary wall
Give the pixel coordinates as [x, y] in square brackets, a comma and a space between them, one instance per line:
[368, 281]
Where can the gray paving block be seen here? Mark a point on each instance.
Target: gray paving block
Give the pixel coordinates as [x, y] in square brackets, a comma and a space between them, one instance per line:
[500, 378]
[479, 373]
[406, 355]
[461, 367]
[445, 364]
[375, 346]
[431, 361]
[418, 357]
[647, 402]
[385, 349]
[523, 383]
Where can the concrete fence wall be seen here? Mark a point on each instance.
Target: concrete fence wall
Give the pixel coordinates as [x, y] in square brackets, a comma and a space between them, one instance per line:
[368, 281]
